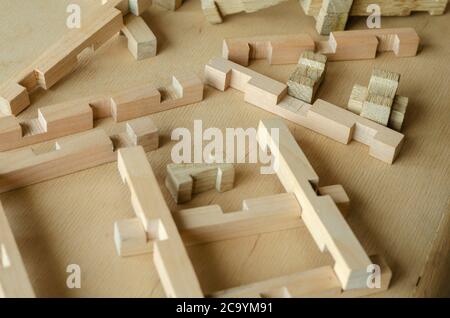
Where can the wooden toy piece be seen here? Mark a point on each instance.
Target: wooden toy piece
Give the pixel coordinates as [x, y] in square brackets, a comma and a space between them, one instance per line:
[184, 180]
[136, 7]
[52, 122]
[210, 224]
[14, 281]
[364, 44]
[139, 132]
[319, 213]
[383, 83]
[322, 117]
[24, 167]
[357, 98]
[398, 112]
[333, 16]
[172, 262]
[142, 42]
[146, 99]
[215, 10]
[388, 7]
[317, 282]
[307, 77]
[282, 49]
[169, 4]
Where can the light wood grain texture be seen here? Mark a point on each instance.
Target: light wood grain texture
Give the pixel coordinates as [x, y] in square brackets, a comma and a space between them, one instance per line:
[388, 7]
[183, 180]
[215, 10]
[333, 16]
[322, 117]
[14, 282]
[320, 214]
[170, 257]
[70, 219]
[208, 224]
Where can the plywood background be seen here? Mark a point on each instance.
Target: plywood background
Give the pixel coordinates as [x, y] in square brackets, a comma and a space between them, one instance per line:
[396, 210]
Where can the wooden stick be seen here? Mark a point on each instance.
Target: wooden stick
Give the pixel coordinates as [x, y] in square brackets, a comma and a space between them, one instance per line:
[322, 117]
[320, 214]
[78, 115]
[14, 281]
[344, 45]
[318, 282]
[71, 154]
[142, 42]
[210, 224]
[170, 257]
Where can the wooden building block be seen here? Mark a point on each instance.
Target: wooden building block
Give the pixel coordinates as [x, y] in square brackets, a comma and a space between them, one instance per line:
[322, 117]
[398, 112]
[52, 122]
[143, 132]
[137, 7]
[319, 213]
[364, 44]
[282, 49]
[388, 7]
[333, 16]
[377, 108]
[341, 45]
[208, 224]
[24, 167]
[169, 4]
[383, 83]
[172, 262]
[13, 98]
[357, 98]
[184, 180]
[317, 282]
[14, 281]
[146, 99]
[215, 10]
[307, 77]
[142, 42]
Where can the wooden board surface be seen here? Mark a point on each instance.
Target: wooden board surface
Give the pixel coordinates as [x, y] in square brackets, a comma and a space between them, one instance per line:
[395, 210]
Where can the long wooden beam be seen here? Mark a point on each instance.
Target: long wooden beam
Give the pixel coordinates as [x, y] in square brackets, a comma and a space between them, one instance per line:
[322, 117]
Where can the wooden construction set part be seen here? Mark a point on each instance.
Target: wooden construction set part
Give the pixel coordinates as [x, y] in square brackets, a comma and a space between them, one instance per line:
[156, 230]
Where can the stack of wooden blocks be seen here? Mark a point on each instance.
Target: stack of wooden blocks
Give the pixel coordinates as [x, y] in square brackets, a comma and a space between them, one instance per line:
[307, 77]
[380, 102]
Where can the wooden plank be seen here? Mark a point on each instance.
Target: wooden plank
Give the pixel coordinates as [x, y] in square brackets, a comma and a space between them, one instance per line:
[24, 167]
[14, 281]
[319, 213]
[208, 224]
[322, 117]
[170, 257]
[318, 282]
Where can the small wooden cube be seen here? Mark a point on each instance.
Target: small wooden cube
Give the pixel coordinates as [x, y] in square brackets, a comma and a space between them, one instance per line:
[357, 98]
[143, 132]
[377, 108]
[384, 83]
[398, 112]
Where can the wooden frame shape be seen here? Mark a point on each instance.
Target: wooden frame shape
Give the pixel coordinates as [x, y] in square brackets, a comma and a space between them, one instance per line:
[319, 213]
[62, 58]
[79, 115]
[344, 45]
[322, 117]
[14, 281]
